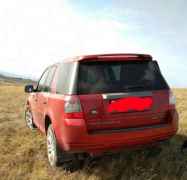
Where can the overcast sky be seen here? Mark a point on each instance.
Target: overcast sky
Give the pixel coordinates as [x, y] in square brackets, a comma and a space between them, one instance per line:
[37, 33]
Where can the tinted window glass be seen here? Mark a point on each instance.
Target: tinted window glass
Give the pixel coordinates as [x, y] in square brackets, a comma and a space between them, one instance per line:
[110, 77]
[41, 84]
[66, 74]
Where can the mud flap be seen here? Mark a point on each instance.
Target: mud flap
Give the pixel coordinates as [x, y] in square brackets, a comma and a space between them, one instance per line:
[184, 147]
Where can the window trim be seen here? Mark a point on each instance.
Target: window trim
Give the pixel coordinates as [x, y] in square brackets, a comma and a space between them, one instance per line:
[41, 78]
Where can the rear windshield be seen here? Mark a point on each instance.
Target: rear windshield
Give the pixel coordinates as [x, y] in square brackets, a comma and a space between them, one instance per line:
[119, 76]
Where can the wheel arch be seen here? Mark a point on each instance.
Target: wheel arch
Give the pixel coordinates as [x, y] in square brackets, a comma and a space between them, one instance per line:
[27, 104]
[50, 119]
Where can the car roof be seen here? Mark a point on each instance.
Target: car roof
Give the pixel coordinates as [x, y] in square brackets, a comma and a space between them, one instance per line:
[108, 57]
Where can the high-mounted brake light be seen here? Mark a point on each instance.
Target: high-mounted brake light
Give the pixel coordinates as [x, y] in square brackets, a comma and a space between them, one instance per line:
[119, 56]
[125, 56]
[73, 111]
[172, 99]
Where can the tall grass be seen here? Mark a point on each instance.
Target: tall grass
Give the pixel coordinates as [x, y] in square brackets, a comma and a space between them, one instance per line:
[23, 153]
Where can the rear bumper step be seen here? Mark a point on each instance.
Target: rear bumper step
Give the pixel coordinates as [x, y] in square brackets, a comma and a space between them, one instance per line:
[127, 129]
[115, 146]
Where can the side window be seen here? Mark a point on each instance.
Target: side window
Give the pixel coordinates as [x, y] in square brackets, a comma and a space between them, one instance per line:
[65, 72]
[49, 79]
[41, 83]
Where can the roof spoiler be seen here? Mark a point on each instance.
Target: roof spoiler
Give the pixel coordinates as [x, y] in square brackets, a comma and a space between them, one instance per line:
[122, 56]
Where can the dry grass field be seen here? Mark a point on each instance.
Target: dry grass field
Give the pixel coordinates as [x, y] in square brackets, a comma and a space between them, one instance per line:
[23, 152]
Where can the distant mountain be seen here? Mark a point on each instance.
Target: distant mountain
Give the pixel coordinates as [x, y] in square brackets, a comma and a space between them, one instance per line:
[12, 78]
[8, 74]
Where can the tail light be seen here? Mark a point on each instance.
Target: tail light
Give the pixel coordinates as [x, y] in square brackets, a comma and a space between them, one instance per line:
[73, 111]
[172, 99]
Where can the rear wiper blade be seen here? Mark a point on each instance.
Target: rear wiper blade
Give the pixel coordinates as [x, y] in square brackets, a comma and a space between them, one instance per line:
[134, 87]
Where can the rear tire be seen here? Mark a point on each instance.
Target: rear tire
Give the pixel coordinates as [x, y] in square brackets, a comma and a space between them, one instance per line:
[57, 157]
[29, 120]
[53, 151]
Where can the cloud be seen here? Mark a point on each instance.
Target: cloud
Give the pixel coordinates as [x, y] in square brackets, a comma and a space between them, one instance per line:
[35, 34]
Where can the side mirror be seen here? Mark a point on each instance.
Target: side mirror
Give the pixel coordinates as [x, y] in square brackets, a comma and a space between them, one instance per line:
[29, 88]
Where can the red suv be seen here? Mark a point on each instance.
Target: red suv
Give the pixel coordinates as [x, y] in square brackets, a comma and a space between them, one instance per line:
[101, 103]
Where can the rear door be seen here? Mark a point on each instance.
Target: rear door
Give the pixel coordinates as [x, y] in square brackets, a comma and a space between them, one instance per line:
[40, 88]
[44, 95]
[122, 94]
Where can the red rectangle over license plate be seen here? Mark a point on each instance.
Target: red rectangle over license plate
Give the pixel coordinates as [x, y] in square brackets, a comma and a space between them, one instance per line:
[130, 104]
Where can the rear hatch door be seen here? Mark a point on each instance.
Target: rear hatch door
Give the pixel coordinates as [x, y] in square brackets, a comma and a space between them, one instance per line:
[122, 94]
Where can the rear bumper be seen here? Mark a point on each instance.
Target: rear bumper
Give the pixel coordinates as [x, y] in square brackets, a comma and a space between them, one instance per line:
[77, 139]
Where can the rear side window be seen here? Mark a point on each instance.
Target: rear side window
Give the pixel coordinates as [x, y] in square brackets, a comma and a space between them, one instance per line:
[119, 76]
[66, 78]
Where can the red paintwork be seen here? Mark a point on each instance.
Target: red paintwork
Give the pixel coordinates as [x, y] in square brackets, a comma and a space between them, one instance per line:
[130, 104]
[78, 132]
